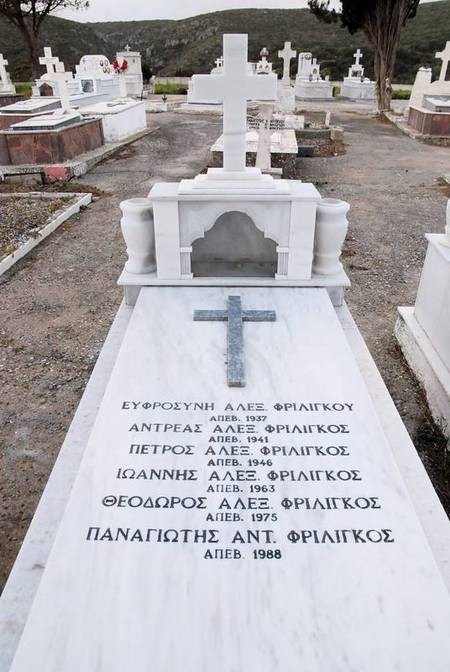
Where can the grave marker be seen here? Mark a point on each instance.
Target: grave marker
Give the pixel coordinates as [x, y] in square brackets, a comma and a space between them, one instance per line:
[234, 87]
[287, 54]
[444, 56]
[259, 528]
[216, 527]
[5, 82]
[357, 56]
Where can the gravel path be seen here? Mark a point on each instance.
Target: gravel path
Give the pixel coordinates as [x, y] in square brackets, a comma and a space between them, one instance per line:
[56, 307]
[393, 186]
[58, 303]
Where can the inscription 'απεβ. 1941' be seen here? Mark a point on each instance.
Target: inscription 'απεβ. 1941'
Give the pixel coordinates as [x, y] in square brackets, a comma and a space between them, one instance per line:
[236, 473]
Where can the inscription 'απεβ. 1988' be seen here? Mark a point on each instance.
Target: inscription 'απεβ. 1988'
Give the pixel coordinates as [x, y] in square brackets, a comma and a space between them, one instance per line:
[245, 466]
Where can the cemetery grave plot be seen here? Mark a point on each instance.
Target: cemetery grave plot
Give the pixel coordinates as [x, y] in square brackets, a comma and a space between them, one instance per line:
[26, 219]
[370, 265]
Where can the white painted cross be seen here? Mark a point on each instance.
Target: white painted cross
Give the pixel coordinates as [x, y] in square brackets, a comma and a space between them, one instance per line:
[445, 58]
[358, 56]
[49, 61]
[234, 86]
[3, 74]
[287, 54]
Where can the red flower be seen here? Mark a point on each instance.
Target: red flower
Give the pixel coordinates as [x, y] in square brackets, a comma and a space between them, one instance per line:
[119, 68]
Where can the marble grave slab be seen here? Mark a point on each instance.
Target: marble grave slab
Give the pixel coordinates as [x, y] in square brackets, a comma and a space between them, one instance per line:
[234, 529]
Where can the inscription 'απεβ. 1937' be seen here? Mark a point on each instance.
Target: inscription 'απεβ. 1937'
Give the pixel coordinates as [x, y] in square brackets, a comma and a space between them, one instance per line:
[245, 466]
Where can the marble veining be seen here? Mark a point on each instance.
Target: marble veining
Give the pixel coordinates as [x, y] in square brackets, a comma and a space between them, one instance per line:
[323, 606]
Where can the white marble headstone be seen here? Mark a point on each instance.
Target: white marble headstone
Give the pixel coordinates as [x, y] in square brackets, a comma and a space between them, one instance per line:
[260, 528]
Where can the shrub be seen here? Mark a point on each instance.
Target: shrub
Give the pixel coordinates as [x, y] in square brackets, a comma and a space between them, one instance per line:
[174, 89]
[23, 89]
[336, 91]
[401, 94]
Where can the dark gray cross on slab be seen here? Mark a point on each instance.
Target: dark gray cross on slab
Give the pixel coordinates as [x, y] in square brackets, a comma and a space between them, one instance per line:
[235, 317]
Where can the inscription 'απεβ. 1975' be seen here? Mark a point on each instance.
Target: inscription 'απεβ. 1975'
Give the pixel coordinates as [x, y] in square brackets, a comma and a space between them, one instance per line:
[243, 471]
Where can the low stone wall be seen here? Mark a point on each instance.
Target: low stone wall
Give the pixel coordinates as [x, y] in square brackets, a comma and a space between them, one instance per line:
[10, 99]
[428, 122]
[173, 80]
[315, 117]
[7, 120]
[47, 147]
[278, 159]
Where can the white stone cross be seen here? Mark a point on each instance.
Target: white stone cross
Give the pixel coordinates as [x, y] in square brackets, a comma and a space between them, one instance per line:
[49, 61]
[219, 62]
[358, 56]
[234, 86]
[3, 74]
[56, 74]
[63, 90]
[445, 58]
[127, 48]
[287, 54]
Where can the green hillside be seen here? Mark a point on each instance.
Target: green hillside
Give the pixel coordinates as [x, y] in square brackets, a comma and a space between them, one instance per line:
[191, 45]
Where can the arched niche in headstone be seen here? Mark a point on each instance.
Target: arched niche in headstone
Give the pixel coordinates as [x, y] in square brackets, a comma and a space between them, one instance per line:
[46, 90]
[87, 85]
[234, 247]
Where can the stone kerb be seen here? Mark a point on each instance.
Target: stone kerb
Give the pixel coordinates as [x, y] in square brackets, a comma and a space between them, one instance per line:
[423, 330]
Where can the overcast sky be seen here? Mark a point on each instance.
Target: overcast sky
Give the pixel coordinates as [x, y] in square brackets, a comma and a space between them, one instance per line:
[133, 10]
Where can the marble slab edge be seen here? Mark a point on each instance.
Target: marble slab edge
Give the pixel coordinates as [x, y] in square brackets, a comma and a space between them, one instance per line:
[25, 576]
[151, 280]
[29, 566]
[427, 505]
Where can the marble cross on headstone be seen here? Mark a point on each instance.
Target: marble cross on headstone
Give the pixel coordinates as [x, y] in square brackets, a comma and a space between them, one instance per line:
[49, 61]
[445, 58]
[234, 86]
[287, 54]
[357, 56]
[4, 79]
[235, 317]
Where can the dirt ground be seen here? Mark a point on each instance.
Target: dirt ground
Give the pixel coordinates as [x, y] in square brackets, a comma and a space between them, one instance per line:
[57, 304]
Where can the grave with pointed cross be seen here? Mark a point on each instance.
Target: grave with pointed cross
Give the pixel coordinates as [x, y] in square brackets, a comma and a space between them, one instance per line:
[429, 104]
[287, 54]
[355, 86]
[235, 317]
[444, 56]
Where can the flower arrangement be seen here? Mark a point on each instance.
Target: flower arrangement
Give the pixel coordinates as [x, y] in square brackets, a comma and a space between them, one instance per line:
[120, 68]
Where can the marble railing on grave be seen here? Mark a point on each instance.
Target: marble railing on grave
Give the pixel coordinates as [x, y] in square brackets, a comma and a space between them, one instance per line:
[330, 228]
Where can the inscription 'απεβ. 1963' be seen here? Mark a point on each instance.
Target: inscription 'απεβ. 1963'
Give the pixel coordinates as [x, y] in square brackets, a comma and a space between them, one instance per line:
[241, 469]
